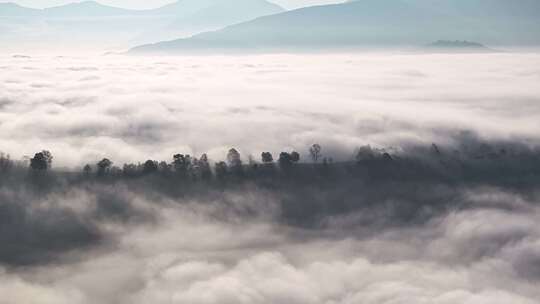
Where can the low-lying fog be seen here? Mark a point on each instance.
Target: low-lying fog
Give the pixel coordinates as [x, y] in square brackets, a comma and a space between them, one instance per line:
[136, 108]
[395, 241]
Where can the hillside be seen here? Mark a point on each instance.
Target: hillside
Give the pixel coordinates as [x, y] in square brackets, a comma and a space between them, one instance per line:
[92, 23]
[219, 12]
[369, 23]
[195, 16]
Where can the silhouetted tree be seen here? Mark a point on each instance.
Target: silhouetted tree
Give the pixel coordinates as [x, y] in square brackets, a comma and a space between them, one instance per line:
[5, 163]
[41, 161]
[267, 158]
[130, 170]
[234, 161]
[233, 158]
[315, 152]
[365, 153]
[221, 170]
[115, 171]
[204, 167]
[150, 166]
[285, 160]
[182, 164]
[87, 170]
[164, 167]
[189, 162]
[204, 158]
[104, 166]
[295, 157]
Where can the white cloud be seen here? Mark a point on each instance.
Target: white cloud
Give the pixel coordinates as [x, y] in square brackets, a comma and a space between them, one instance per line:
[134, 108]
[192, 255]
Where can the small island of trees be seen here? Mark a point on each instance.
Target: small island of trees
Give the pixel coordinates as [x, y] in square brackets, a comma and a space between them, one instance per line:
[480, 161]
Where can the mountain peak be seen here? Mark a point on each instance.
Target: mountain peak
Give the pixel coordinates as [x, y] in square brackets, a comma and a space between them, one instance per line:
[370, 23]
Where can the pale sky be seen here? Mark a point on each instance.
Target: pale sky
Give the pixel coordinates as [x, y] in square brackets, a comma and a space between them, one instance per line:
[141, 4]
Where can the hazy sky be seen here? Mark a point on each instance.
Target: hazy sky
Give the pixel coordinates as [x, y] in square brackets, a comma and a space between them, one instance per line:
[139, 4]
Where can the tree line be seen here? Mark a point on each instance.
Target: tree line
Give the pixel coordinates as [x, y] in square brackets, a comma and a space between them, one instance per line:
[419, 161]
[181, 164]
[184, 164]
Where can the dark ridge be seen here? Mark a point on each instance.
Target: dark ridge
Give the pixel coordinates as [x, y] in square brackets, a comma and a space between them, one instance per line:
[380, 189]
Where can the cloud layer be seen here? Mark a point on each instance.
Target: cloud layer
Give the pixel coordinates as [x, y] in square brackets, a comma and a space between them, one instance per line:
[134, 108]
[207, 249]
[447, 233]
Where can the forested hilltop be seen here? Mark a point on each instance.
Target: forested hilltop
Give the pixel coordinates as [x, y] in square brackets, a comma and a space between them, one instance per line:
[482, 162]
[377, 190]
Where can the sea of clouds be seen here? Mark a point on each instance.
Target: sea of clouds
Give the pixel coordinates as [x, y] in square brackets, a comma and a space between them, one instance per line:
[405, 242]
[135, 108]
[212, 251]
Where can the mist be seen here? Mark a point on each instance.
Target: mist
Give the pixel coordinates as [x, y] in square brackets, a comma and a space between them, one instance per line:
[134, 108]
[328, 239]
[449, 216]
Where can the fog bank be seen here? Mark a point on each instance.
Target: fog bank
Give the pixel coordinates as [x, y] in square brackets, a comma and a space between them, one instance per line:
[133, 108]
[451, 223]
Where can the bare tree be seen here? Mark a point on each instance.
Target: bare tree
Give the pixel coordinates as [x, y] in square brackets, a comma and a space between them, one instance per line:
[315, 152]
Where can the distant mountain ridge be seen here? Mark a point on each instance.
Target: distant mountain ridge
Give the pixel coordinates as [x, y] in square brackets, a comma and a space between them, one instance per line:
[366, 23]
[456, 44]
[180, 8]
[86, 8]
[9, 9]
[91, 22]
[91, 8]
[222, 12]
